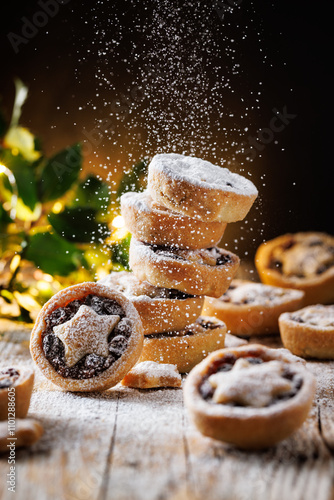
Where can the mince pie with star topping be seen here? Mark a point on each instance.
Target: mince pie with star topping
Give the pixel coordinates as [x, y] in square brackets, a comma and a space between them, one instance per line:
[15, 382]
[250, 396]
[304, 261]
[86, 337]
[309, 332]
[250, 308]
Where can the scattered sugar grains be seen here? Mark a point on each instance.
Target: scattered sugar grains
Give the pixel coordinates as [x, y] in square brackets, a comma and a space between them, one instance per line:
[171, 77]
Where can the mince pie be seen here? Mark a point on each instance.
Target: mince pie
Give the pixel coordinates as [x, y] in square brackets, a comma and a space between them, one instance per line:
[87, 337]
[309, 332]
[160, 309]
[250, 396]
[250, 308]
[304, 261]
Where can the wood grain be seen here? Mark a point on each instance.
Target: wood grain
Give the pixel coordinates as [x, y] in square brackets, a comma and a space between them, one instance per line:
[128, 444]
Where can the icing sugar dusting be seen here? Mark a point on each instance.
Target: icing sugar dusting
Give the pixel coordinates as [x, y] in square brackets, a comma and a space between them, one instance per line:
[202, 173]
[150, 374]
[257, 293]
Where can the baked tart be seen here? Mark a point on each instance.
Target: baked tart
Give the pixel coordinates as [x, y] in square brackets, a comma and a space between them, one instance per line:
[250, 308]
[26, 432]
[16, 385]
[160, 309]
[304, 261]
[199, 272]
[153, 223]
[309, 332]
[198, 189]
[187, 347]
[251, 396]
[86, 337]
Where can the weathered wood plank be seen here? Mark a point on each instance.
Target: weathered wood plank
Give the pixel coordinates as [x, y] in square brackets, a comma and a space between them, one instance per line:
[134, 445]
[69, 461]
[148, 459]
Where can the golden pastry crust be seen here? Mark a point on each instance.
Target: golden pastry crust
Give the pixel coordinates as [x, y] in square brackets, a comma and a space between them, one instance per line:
[304, 261]
[198, 272]
[309, 332]
[156, 224]
[250, 308]
[27, 432]
[158, 310]
[152, 375]
[244, 425]
[197, 188]
[187, 347]
[16, 385]
[114, 373]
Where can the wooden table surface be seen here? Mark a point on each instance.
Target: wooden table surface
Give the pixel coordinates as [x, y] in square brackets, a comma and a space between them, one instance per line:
[129, 444]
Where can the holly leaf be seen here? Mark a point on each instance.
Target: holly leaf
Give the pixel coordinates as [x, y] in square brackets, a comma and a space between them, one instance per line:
[24, 177]
[60, 173]
[93, 193]
[53, 254]
[79, 224]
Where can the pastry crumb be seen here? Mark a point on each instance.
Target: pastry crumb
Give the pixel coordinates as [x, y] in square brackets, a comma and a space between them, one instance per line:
[152, 375]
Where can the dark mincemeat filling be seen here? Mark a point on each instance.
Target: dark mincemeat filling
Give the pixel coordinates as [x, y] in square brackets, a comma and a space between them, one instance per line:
[275, 263]
[172, 253]
[226, 364]
[170, 293]
[8, 377]
[208, 325]
[90, 365]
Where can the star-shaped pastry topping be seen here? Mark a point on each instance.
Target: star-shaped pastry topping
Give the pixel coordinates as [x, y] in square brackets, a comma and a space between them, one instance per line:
[86, 333]
[250, 385]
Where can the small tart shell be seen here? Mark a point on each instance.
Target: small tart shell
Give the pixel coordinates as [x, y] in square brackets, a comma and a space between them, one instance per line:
[185, 275]
[247, 427]
[159, 314]
[158, 225]
[200, 200]
[27, 432]
[112, 375]
[184, 351]
[306, 340]
[252, 319]
[318, 289]
[23, 389]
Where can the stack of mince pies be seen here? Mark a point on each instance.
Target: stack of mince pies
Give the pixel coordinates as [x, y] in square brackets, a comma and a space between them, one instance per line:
[176, 226]
[89, 336]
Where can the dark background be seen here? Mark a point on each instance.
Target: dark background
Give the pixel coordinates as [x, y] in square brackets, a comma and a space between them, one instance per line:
[63, 62]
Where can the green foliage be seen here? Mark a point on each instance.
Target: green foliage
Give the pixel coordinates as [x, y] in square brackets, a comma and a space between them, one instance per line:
[60, 173]
[120, 252]
[92, 193]
[53, 255]
[51, 220]
[79, 224]
[24, 176]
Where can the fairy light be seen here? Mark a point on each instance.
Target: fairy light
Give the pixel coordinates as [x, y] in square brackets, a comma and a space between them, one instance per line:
[118, 222]
[4, 170]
